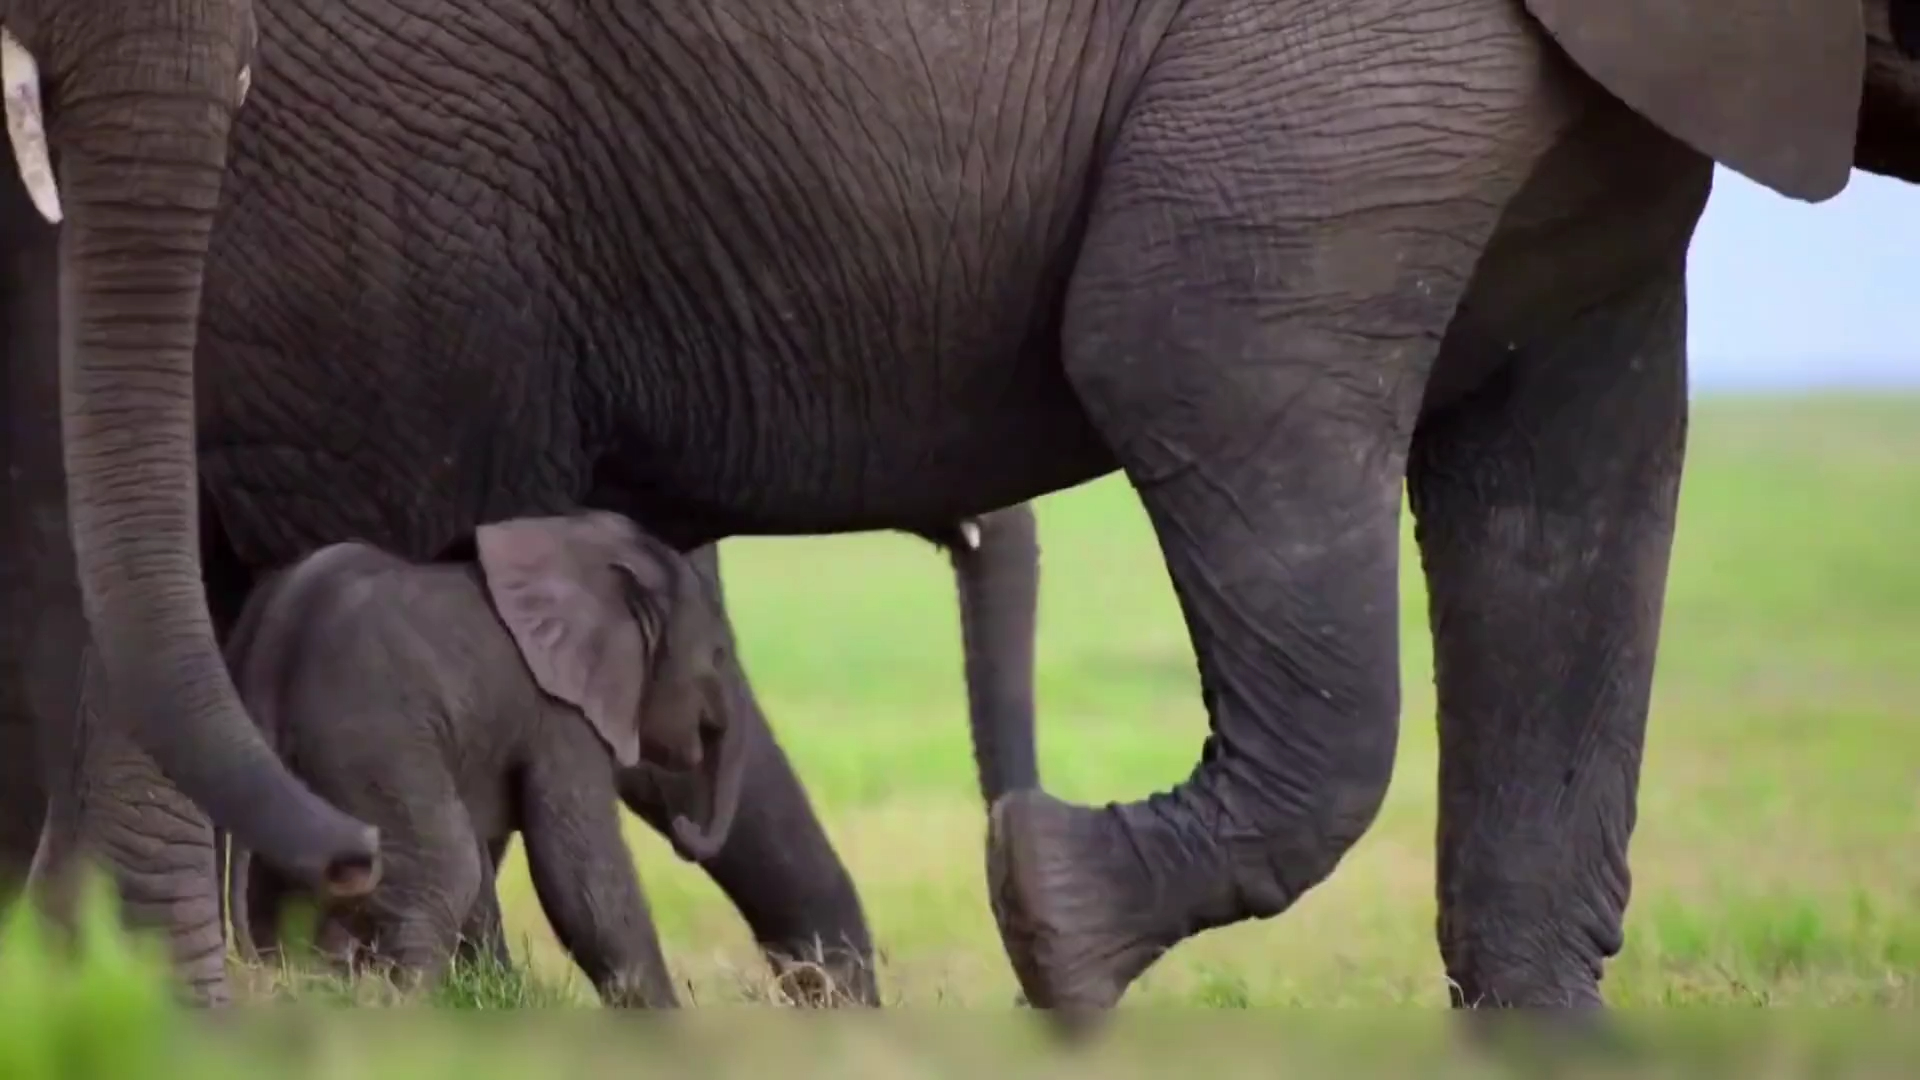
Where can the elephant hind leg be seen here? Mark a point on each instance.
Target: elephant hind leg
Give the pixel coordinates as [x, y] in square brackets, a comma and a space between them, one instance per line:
[483, 937]
[1546, 504]
[1253, 337]
[431, 885]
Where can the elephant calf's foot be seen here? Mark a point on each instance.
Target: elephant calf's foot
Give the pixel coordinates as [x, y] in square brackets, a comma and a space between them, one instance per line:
[638, 990]
[1078, 914]
[825, 978]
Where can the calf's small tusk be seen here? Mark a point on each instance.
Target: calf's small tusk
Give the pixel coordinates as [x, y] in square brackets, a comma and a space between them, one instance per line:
[970, 534]
[26, 125]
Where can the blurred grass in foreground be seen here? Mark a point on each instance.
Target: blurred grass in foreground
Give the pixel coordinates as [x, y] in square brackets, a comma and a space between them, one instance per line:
[105, 1014]
[1773, 861]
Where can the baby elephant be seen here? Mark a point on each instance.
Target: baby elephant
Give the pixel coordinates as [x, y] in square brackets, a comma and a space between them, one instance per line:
[453, 704]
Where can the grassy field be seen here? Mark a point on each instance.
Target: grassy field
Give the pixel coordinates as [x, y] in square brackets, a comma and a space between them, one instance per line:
[1779, 811]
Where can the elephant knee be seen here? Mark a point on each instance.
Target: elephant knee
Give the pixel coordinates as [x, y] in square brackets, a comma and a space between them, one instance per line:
[1302, 831]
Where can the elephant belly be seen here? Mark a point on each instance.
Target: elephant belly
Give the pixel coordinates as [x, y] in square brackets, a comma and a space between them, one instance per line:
[764, 283]
[1015, 435]
[841, 272]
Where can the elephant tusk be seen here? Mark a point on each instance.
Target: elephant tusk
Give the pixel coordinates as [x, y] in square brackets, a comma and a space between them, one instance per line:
[970, 534]
[26, 125]
[246, 83]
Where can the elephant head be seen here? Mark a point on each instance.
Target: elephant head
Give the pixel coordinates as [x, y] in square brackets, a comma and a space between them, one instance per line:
[118, 114]
[618, 625]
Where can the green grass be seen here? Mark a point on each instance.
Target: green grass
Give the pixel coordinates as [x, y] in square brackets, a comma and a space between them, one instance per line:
[1774, 859]
[1780, 802]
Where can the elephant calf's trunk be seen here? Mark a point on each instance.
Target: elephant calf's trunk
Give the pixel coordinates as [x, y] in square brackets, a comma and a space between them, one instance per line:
[726, 769]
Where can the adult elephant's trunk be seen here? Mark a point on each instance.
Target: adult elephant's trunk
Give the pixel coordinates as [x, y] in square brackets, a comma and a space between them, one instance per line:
[141, 131]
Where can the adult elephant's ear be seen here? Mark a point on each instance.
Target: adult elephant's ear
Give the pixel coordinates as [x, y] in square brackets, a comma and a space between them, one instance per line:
[551, 585]
[1768, 88]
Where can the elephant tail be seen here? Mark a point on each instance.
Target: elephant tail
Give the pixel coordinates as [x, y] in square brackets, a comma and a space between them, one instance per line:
[996, 565]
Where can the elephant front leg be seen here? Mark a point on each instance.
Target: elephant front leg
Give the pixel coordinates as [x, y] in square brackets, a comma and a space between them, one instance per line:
[23, 787]
[780, 871]
[583, 872]
[42, 629]
[157, 848]
[1545, 504]
[1253, 337]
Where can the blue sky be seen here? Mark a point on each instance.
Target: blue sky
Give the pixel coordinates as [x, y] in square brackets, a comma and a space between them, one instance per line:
[1784, 295]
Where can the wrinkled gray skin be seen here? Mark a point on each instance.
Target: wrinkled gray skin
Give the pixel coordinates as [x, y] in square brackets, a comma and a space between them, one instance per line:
[780, 267]
[455, 704]
[137, 98]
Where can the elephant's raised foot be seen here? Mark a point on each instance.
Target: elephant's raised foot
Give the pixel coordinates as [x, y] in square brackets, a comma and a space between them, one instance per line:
[1076, 914]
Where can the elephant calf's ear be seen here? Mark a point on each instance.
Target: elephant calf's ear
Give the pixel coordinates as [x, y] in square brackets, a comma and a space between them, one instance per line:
[568, 616]
[1768, 88]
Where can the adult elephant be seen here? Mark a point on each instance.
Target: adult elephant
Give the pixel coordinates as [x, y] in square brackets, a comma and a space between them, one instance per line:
[133, 103]
[118, 113]
[793, 268]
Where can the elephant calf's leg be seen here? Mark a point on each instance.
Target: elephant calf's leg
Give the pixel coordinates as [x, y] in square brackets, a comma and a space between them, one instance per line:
[483, 938]
[1545, 505]
[425, 900]
[584, 875]
[781, 873]
[778, 866]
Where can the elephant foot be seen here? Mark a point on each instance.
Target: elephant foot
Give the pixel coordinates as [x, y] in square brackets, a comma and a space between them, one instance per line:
[1552, 986]
[639, 990]
[1077, 914]
[1530, 1036]
[817, 977]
